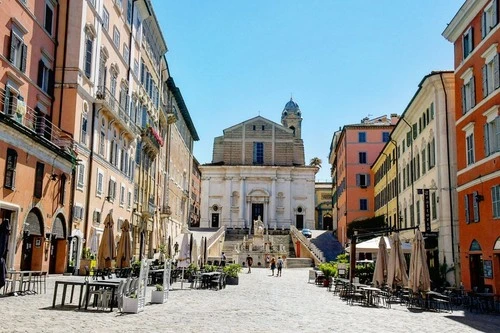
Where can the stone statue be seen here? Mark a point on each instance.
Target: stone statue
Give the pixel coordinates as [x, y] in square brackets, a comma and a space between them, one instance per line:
[258, 227]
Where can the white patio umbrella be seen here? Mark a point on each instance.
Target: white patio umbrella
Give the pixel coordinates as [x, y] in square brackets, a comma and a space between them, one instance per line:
[184, 258]
[397, 275]
[380, 273]
[94, 242]
[194, 253]
[419, 279]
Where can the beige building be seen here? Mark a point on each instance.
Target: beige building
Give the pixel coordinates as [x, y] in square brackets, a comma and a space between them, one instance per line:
[257, 171]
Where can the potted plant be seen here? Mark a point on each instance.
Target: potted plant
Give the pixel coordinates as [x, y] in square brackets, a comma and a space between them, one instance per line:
[158, 295]
[329, 271]
[130, 303]
[232, 271]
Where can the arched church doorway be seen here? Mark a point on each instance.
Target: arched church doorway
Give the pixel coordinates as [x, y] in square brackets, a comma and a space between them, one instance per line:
[32, 252]
[57, 245]
[327, 222]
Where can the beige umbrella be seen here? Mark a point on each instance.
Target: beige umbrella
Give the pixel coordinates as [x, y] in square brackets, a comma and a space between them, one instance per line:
[124, 252]
[380, 273]
[194, 253]
[396, 275]
[419, 279]
[107, 246]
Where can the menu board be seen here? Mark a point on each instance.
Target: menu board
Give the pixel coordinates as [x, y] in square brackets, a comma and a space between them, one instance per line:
[488, 269]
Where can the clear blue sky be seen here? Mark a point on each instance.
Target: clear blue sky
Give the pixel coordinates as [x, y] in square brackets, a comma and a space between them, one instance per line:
[341, 60]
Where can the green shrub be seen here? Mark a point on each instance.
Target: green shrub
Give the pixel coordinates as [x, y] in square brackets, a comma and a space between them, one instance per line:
[232, 270]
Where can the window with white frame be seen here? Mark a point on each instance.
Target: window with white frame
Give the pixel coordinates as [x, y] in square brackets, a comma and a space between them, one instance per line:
[489, 19]
[468, 91]
[434, 202]
[84, 127]
[78, 211]
[10, 169]
[10, 100]
[129, 199]
[44, 75]
[48, 23]
[100, 182]
[96, 217]
[126, 53]
[112, 189]
[80, 177]
[470, 148]
[89, 46]
[490, 70]
[431, 154]
[492, 131]
[18, 50]
[495, 201]
[116, 37]
[105, 18]
[472, 207]
[468, 42]
[129, 12]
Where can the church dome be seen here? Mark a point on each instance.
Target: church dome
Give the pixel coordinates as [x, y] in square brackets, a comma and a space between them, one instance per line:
[291, 108]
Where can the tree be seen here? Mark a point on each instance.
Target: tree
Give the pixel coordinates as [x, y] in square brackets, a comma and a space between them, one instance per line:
[366, 225]
[316, 161]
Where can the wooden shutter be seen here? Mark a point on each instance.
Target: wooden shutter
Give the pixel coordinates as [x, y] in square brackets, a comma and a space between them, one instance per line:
[24, 57]
[41, 65]
[483, 25]
[496, 72]
[494, 13]
[472, 93]
[475, 205]
[6, 101]
[467, 216]
[358, 179]
[88, 56]
[485, 81]
[486, 139]
[12, 47]
[464, 109]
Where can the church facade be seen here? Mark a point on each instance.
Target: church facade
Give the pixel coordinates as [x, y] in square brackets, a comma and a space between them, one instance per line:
[258, 172]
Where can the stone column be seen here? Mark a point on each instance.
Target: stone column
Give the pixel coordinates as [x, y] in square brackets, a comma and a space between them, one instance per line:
[241, 212]
[273, 199]
[204, 208]
[226, 218]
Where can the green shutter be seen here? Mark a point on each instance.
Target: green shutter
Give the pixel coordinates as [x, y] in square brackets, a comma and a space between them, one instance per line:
[24, 58]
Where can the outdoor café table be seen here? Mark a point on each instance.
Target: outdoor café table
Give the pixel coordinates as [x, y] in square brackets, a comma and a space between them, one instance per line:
[488, 299]
[428, 296]
[21, 276]
[369, 293]
[65, 285]
[102, 284]
[206, 277]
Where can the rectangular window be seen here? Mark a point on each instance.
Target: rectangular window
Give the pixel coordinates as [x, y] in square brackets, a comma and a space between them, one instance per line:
[495, 201]
[119, 3]
[424, 161]
[97, 216]
[49, 17]
[10, 169]
[385, 136]
[468, 95]
[116, 37]
[81, 176]
[492, 136]
[89, 45]
[105, 19]
[489, 19]
[362, 157]
[100, 182]
[361, 136]
[111, 190]
[136, 67]
[126, 53]
[44, 76]
[363, 180]
[363, 204]
[92, 2]
[434, 205]
[129, 12]
[470, 148]
[62, 189]
[431, 153]
[490, 76]
[472, 207]
[122, 195]
[83, 134]
[258, 153]
[468, 42]
[412, 216]
[129, 199]
[39, 172]
[18, 52]
[418, 212]
[102, 143]
[78, 212]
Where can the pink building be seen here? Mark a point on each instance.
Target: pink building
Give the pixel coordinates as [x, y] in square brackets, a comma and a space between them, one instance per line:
[353, 151]
[36, 157]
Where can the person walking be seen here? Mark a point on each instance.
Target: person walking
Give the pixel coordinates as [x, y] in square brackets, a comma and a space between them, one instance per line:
[268, 260]
[273, 266]
[249, 263]
[280, 266]
[223, 259]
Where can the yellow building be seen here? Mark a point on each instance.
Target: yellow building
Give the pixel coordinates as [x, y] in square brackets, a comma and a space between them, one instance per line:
[385, 173]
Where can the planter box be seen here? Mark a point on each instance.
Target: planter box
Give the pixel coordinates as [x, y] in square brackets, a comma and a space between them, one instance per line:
[233, 281]
[130, 305]
[158, 297]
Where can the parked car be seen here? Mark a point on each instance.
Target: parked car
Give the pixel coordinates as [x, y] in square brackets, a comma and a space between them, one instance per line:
[307, 232]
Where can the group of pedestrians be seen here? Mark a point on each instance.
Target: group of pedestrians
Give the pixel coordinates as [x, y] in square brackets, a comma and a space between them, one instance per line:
[270, 262]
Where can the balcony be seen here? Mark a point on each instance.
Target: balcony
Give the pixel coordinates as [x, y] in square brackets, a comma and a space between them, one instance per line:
[165, 211]
[112, 105]
[35, 125]
[149, 209]
[152, 139]
[167, 115]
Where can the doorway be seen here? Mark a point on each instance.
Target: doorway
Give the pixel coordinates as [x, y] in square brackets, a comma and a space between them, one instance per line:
[215, 220]
[257, 211]
[476, 271]
[327, 222]
[299, 221]
[27, 253]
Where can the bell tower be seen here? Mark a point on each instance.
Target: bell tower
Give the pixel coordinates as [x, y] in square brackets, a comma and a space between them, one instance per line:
[291, 118]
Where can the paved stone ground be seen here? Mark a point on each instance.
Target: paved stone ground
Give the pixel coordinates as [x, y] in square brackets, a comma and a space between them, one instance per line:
[260, 303]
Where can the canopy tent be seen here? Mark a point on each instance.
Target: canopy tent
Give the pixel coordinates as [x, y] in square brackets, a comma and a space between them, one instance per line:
[372, 245]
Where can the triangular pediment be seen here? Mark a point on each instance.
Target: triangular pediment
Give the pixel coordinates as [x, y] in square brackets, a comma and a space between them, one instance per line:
[257, 120]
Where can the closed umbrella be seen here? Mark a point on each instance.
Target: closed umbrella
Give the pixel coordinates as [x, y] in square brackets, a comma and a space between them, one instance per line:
[380, 273]
[94, 242]
[397, 275]
[419, 279]
[194, 253]
[184, 258]
[124, 252]
[107, 246]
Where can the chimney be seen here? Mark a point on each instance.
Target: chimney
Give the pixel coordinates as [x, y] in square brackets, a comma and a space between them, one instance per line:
[394, 118]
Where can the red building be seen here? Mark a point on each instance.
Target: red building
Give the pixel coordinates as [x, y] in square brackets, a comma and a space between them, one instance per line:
[475, 33]
[352, 153]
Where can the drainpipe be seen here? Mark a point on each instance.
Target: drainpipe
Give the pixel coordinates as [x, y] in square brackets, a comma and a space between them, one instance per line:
[449, 169]
[64, 57]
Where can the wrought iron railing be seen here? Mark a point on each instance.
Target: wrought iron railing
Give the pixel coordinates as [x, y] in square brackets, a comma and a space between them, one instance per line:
[103, 94]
